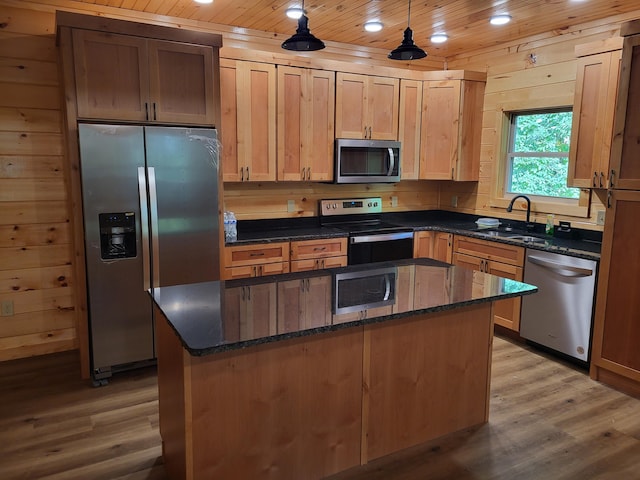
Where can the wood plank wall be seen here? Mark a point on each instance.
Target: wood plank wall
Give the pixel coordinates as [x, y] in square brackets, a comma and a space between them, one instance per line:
[35, 247]
[512, 77]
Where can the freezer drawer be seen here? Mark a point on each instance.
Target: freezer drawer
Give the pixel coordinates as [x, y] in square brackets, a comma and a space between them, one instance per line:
[560, 315]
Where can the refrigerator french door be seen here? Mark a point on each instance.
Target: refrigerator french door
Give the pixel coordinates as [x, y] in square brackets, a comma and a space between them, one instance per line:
[150, 208]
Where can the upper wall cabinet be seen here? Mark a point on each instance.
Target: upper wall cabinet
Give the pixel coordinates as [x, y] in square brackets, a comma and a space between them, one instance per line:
[409, 128]
[248, 124]
[306, 107]
[451, 129]
[130, 78]
[625, 150]
[593, 113]
[367, 106]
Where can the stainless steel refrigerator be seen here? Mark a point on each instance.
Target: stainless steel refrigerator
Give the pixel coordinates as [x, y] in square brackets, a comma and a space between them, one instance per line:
[150, 207]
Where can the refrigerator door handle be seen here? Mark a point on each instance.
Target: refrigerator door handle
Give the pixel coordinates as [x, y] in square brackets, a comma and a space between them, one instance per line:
[144, 227]
[153, 206]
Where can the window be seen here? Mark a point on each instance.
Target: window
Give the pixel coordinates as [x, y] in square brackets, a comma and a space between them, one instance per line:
[538, 154]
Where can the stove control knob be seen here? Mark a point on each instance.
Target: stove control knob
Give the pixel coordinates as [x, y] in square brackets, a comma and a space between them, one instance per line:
[369, 204]
[335, 205]
[375, 204]
[327, 206]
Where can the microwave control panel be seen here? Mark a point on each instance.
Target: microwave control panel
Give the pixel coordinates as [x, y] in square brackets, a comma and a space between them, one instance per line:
[350, 206]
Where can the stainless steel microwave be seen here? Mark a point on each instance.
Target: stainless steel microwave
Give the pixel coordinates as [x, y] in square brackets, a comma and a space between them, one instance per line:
[367, 161]
[356, 291]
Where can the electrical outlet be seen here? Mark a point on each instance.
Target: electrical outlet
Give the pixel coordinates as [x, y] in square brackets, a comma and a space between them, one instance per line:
[7, 308]
[454, 200]
[394, 201]
[600, 217]
[291, 206]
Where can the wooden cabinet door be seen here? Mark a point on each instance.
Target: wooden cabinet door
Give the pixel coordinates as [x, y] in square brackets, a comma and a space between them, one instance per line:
[383, 107]
[443, 246]
[440, 117]
[423, 244]
[367, 106]
[616, 333]
[306, 106]
[451, 130]
[625, 149]
[409, 128]
[250, 311]
[112, 76]
[429, 291]
[304, 304]
[351, 105]
[593, 113]
[507, 312]
[468, 261]
[248, 91]
[181, 83]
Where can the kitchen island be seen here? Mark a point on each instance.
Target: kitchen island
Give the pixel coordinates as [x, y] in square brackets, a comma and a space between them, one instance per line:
[305, 375]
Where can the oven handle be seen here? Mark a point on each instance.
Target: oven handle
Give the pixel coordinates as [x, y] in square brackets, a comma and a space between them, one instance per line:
[392, 161]
[381, 237]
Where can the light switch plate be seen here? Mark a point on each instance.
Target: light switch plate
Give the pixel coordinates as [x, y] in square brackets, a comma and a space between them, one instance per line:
[454, 200]
[394, 201]
[291, 206]
[600, 217]
[7, 308]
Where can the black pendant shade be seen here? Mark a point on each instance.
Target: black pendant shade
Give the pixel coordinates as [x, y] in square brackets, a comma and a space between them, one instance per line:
[407, 49]
[303, 40]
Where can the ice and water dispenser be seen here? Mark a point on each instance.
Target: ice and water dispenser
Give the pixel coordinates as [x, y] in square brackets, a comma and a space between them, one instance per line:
[117, 235]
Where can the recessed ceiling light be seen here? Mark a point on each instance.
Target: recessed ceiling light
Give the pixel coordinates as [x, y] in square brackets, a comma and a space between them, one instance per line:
[294, 12]
[501, 19]
[373, 26]
[439, 38]
[203, 1]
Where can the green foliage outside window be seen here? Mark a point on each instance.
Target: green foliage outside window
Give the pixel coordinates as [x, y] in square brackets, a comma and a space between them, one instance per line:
[539, 154]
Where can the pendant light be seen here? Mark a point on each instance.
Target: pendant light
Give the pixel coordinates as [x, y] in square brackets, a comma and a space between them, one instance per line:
[407, 49]
[303, 40]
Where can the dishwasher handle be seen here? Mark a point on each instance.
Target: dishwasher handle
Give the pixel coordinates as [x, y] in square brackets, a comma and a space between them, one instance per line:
[561, 269]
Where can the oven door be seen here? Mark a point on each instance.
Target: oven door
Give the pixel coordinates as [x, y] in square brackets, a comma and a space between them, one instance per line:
[379, 247]
[356, 291]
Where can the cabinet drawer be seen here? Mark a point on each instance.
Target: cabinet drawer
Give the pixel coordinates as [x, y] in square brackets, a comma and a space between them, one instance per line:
[318, 264]
[247, 255]
[312, 249]
[248, 271]
[488, 250]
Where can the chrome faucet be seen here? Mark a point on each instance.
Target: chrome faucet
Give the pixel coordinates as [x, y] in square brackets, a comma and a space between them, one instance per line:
[529, 225]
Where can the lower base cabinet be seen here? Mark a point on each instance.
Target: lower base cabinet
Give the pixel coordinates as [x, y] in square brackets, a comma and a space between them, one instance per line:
[432, 244]
[503, 260]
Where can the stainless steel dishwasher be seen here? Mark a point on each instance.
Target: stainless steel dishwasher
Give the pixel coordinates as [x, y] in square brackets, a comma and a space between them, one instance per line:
[560, 315]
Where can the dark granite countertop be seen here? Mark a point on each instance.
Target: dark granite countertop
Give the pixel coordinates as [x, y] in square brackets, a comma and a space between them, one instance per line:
[208, 317]
[577, 243]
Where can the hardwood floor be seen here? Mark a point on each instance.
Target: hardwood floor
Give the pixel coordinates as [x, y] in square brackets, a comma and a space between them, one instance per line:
[548, 421]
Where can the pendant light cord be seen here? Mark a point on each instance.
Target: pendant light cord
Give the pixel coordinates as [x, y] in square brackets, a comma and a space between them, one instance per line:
[408, 17]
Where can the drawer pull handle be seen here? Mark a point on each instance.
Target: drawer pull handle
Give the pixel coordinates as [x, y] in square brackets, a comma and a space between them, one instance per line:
[256, 254]
[319, 249]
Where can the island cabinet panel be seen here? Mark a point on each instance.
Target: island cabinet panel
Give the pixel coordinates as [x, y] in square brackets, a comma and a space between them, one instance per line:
[410, 367]
[296, 399]
[124, 77]
[593, 113]
[367, 106]
[405, 289]
[306, 111]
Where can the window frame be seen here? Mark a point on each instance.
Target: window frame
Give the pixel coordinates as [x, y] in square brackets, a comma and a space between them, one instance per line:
[540, 205]
[511, 153]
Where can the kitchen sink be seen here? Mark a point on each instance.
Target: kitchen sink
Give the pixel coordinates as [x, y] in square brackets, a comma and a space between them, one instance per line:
[513, 236]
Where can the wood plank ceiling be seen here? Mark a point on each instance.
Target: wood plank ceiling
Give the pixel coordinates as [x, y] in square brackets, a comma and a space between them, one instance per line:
[465, 21]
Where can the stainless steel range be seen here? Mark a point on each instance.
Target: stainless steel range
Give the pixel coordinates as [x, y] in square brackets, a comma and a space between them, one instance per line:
[370, 238]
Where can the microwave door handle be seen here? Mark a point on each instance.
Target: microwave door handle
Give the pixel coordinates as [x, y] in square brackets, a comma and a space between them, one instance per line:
[387, 288]
[392, 162]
